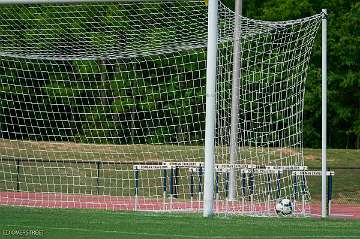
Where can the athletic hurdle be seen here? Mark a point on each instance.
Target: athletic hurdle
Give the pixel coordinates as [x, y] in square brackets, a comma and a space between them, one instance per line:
[329, 174]
[170, 180]
[271, 181]
[138, 168]
[248, 181]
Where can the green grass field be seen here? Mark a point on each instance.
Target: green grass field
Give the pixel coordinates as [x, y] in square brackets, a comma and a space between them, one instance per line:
[79, 223]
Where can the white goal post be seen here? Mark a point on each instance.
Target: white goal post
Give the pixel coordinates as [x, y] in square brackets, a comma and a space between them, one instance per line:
[235, 109]
[324, 209]
[153, 105]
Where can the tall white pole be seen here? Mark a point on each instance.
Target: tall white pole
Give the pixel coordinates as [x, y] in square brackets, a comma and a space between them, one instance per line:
[234, 131]
[210, 108]
[324, 112]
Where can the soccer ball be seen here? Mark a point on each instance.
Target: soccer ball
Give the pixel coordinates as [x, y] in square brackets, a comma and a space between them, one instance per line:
[284, 207]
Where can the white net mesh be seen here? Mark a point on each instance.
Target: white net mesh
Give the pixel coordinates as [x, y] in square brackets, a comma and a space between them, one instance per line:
[103, 105]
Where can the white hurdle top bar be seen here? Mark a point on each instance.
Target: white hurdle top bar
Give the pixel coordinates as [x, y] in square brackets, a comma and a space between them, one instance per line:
[313, 173]
[247, 168]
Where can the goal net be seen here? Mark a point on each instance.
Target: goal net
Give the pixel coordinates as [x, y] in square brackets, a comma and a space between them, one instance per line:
[103, 106]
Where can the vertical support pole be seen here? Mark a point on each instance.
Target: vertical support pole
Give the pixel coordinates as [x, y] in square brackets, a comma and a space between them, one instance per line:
[295, 186]
[303, 191]
[164, 188]
[324, 112]
[226, 175]
[191, 188]
[268, 192]
[97, 177]
[243, 180]
[278, 186]
[330, 185]
[176, 183]
[171, 187]
[251, 188]
[217, 183]
[295, 191]
[200, 183]
[171, 182]
[136, 187]
[235, 94]
[164, 182]
[216, 190]
[18, 175]
[226, 178]
[210, 108]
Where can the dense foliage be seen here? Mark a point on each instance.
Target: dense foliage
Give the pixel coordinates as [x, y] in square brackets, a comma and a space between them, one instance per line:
[343, 66]
[43, 95]
[132, 89]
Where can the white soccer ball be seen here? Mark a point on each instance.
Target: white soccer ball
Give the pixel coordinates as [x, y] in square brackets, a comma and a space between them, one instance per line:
[284, 207]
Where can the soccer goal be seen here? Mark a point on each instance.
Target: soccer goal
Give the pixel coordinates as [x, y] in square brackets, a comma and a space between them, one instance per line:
[153, 105]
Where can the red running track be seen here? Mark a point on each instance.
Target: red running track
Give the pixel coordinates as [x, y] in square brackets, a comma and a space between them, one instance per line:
[58, 200]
